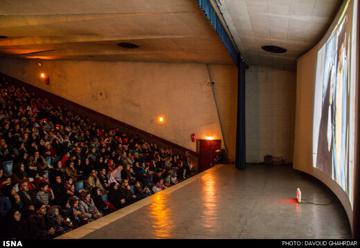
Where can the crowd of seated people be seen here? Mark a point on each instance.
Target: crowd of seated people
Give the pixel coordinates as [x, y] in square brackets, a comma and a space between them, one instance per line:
[59, 171]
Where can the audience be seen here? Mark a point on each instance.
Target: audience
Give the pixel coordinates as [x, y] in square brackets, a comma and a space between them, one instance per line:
[59, 171]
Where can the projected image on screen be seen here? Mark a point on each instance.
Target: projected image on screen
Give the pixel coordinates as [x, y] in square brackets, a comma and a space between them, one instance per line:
[333, 130]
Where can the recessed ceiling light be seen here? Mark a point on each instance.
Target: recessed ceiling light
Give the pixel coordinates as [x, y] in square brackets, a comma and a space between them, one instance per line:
[274, 49]
[3, 37]
[128, 45]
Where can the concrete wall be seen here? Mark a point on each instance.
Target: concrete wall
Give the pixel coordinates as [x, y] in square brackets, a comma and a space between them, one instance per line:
[270, 113]
[138, 93]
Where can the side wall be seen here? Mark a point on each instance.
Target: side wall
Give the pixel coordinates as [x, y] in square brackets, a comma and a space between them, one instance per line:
[270, 113]
[138, 93]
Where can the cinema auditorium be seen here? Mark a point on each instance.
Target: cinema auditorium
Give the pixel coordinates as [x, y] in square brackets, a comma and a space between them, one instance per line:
[179, 119]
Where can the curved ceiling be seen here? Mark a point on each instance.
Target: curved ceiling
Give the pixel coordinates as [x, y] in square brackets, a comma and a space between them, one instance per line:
[296, 25]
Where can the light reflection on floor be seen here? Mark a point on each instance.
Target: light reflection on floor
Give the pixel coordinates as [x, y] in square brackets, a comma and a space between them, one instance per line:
[161, 216]
[209, 202]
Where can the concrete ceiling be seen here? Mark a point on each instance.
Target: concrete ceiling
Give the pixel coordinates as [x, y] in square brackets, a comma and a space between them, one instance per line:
[296, 25]
[165, 30]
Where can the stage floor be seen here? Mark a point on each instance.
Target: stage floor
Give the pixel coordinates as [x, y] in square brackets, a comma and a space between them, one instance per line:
[224, 202]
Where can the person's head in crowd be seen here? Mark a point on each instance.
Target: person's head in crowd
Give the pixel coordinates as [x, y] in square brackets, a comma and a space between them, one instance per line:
[24, 186]
[74, 202]
[40, 208]
[93, 173]
[44, 186]
[37, 155]
[72, 165]
[103, 172]
[59, 164]
[138, 185]
[58, 179]
[6, 181]
[125, 183]
[114, 186]
[86, 196]
[96, 191]
[54, 211]
[15, 215]
[42, 177]
[21, 167]
[70, 181]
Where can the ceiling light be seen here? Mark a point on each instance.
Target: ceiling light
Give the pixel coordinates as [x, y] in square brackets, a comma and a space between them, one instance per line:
[128, 45]
[273, 49]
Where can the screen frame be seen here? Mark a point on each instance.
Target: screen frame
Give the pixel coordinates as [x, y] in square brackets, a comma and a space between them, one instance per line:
[356, 212]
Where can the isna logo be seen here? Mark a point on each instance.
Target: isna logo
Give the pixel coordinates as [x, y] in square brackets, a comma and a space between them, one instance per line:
[12, 243]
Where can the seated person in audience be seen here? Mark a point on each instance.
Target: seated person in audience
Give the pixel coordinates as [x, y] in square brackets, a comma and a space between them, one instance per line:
[40, 179]
[88, 166]
[71, 171]
[45, 194]
[115, 197]
[88, 207]
[77, 216]
[5, 204]
[16, 200]
[16, 227]
[6, 183]
[100, 164]
[32, 169]
[40, 162]
[60, 192]
[159, 186]
[57, 171]
[103, 177]
[102, 205]
[26, 196]
[19, 173]
[167, 180]
[56, 221]
[140, 191]
[70, 187]
[173, 178]
[115, 176]
[50, 153]
[125, 190]
[38, 226]
[93, 181]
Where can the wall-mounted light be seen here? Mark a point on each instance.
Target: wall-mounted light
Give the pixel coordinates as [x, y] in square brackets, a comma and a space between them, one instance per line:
[45, 78]
[39, 64]
[209, 137]
[161, 119]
